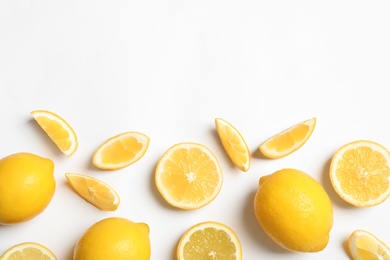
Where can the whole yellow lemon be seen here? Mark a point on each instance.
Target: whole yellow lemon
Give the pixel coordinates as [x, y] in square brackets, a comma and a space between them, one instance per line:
[294, 210]
[114, 238]
[27, 186]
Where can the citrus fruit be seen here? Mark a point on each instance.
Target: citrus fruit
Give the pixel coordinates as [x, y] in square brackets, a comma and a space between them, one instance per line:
[234, 144]
[27, 186]
[28, 250]
[289, 140]
[114, 238]
[360, 173]
[365, 246]
[120, 151]
[95, 191]
[188, 176]
[59, 131]
[209, 240]
[294, 210]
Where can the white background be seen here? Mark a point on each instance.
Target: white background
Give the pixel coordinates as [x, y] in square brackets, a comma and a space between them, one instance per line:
[168, 69]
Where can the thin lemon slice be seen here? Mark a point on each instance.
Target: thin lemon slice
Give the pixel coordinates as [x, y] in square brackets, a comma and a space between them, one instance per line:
[360, 173]
[234, 144]
[188, 176]
[289, 140]
[28, 250]
[365, 246]
[121, 151]
[59, 131]
[209, 240]
[94, 191]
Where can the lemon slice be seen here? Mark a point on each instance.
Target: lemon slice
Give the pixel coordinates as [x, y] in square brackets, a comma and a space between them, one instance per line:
[234, 144]
[360, 173]
[59, 131]
[289, 140]
[188, 176]
[209, 240]
[28, 250]
[365, 246]
[121, 151]
[94, 191]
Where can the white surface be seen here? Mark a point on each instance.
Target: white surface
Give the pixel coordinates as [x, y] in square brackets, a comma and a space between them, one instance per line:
[167, 69]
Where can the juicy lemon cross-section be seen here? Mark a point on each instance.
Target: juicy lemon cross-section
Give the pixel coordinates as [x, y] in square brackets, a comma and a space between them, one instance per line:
[95, 191]
[121, 151]
[188, 176]
[28, 250]
[360, 173]
[59, 130]
[365, 246]
[289, 140]
[209, 240]
[234, 144]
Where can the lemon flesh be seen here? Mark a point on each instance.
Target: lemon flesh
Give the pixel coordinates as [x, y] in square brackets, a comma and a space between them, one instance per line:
[209, 240]
[364, 245]
[294, 210]
[28, 250]
[59, 130]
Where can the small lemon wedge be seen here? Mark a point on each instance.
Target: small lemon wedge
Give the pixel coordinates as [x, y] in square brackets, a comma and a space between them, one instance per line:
[95, 191]
[289, 140]
[365, 246]
[121, 151]
[59, 130]
[234, 144]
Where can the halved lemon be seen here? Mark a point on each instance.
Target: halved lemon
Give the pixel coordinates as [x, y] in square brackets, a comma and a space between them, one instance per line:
[188, 176]
[121, 151]
[234, 144]
[209, 240]
[28, 250]
[365, 246]
[59, 130]
[360, 173]
[95, 191]
[289, 140]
